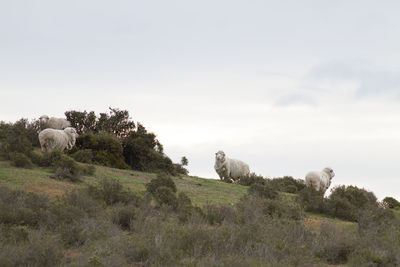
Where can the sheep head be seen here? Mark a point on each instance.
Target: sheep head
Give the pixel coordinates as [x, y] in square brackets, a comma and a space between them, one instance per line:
[330, 172]
[220, 156]
[44, 119]
[71, 131]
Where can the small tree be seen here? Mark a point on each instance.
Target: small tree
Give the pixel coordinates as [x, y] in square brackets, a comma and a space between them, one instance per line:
[184, 161]
[391, 202]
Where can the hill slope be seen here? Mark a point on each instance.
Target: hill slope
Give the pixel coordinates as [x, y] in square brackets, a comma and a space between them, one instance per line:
[38, 180]
[200, 190]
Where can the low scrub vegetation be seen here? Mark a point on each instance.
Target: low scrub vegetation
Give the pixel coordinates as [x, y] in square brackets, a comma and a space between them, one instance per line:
[106, 224]
[345, 202]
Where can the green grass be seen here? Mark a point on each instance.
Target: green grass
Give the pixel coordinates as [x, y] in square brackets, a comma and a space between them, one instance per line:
[38, 180]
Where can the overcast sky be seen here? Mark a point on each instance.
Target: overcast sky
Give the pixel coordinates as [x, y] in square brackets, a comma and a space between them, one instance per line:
[286, 86]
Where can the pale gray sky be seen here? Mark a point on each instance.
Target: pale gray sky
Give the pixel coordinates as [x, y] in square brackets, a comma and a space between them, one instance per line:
[287, 86]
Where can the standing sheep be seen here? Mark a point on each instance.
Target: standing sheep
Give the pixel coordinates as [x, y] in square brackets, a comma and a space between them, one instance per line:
[230, 170]
[54, 123]
[51, 139]
[320, 180]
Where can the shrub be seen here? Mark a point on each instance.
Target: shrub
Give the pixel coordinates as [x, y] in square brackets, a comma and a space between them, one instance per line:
[217, 214]
[67, 168]
[185, 207]
[47, 159]
[81, 200]
[334, 244]
[13, 233]
[84, 156]
[73, 234]
[103, 149]
[264, 190]
[346, 202]
[379, 239]
[373, 217]
[312, 200]
[251, 179]
[21, 160]
[162, 179]
[111, 191]
[143, 152]
[22, 208]
[123, 216]
[288, 184]
[39, 250]
[15, 138]
[391, 202]
[252, 207]
[165, 196]
[180, 169]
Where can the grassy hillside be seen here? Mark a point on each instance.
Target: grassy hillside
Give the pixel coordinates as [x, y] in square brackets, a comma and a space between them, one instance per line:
[38, 180]
[200, 190]
[134, 231]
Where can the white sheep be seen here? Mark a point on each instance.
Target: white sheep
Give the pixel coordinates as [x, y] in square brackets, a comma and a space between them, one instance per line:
[320, 180]
[230, 170]
[51, 139]
[54, 123]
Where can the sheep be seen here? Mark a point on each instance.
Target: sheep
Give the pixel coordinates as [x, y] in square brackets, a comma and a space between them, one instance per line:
[230, 170]
[320, 180]
[51, 139]
[54, 123]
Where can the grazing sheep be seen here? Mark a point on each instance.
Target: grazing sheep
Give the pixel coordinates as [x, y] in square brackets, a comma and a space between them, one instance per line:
[55, 123]
[230, 170]
[320, 180]
[51, 139]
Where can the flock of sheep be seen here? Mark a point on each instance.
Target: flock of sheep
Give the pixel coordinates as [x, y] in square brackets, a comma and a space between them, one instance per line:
[59, 135]
[231, 170]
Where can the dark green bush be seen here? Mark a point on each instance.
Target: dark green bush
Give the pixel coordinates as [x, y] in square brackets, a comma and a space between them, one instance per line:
[162, 179]
[346, 202]
[312, 200]
[143, 152]
[288, 184]
[179, 169]
[251, 179]
[84, 156]
[67, 168]
[111, 191]
[265, 190]
[391, 202]
[15, 138]
[165, 196]
[102, 148]
[21, 160]
[185, 207]
[47, 159]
